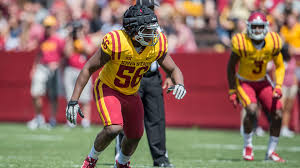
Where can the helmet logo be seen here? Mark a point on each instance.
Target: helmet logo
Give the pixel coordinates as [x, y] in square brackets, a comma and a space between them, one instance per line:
[141, 11]
[258, 19]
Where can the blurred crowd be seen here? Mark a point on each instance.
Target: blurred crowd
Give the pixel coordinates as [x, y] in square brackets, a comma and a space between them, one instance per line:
[189, 24]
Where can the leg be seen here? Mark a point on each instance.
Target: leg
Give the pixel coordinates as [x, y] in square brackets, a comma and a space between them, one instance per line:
[108, 103]
[53, 86]
[118, 143]
[287, 108]
[250, 117]
[38, 89]
[86, 109]
[155, 119]
[133, 117]
[247, 96]
[288, 99]
[105, 137]
[274, 107]
[102, 140]
[129, 145]
[37, 103]
[85, 100]
[242, 116]
[258, 130]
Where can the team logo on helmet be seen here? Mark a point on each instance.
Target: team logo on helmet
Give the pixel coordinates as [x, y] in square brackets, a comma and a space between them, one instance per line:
[140, 22]
[257, 26]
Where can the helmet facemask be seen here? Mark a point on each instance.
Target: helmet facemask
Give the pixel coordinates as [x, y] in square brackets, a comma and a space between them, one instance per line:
[148, 35]
[257, 30]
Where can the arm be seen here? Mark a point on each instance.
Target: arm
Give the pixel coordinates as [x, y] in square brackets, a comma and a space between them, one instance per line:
[279, 71]
[234, 59]
[174, 72]
[97, 61]
[68, 49]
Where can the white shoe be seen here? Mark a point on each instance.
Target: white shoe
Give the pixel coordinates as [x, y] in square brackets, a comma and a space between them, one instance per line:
[259, 132]
[248, 153]
[286, 132]
[33, 124]
[37, 122]
[41, 120]
[70, 125]
[85, 123]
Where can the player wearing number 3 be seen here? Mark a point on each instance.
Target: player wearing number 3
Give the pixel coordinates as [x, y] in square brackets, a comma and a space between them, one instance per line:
[253, 50]
[125, 56]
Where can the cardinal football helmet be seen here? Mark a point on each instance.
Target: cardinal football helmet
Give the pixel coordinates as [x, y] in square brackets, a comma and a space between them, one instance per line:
[257, 26]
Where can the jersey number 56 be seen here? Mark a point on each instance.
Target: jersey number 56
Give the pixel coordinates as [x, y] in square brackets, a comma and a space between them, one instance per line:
[129, 80]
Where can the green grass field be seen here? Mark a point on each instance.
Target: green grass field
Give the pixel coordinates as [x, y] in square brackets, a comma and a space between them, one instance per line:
[188, 148]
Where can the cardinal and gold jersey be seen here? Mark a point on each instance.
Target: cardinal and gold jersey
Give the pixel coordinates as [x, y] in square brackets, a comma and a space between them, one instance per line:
[253, 62]
[126, 67]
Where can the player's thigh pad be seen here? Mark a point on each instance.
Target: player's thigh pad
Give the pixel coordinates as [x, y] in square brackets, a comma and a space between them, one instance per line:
[108, 102]
[246, 92]
[133, 115]
[266, 99]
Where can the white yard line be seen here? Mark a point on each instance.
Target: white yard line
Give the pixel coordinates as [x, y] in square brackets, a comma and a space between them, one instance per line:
[40, 137]
[240, 147]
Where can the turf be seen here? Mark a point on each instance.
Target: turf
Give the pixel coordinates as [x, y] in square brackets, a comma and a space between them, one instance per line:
[187, 148]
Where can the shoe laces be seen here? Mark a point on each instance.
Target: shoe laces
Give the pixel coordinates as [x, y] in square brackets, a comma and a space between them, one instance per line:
[125, 166]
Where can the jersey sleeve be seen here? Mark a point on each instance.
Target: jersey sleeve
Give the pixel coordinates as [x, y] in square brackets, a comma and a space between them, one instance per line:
[235, 45]
[277, 43]
[107, 44]
[280, 70]
[163, 46]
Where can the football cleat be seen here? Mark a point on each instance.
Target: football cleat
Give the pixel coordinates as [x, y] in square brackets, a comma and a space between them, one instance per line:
[165, 164]
[89, 163]
[274, 157]
[118, 165]
[248, 153]
[286, 132]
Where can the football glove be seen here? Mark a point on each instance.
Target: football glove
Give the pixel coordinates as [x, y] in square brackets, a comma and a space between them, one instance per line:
[178, 91]
[277, 93]
[72, 110]
[233, 97]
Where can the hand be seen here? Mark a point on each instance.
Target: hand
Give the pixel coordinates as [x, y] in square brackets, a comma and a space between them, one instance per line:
[72, 110]
[178, 90]
[168, 83]
[277, 93]
[233, 97]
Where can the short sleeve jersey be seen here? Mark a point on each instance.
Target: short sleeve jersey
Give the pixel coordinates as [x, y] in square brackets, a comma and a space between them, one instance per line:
[126, 67]
[253, 62]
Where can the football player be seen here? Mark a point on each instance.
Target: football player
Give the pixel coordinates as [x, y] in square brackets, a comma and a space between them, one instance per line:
[252, 51]
[125, 56]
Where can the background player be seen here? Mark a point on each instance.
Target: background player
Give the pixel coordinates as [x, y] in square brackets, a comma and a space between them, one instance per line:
[45, 74]
[253, 50]
[125, 56]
